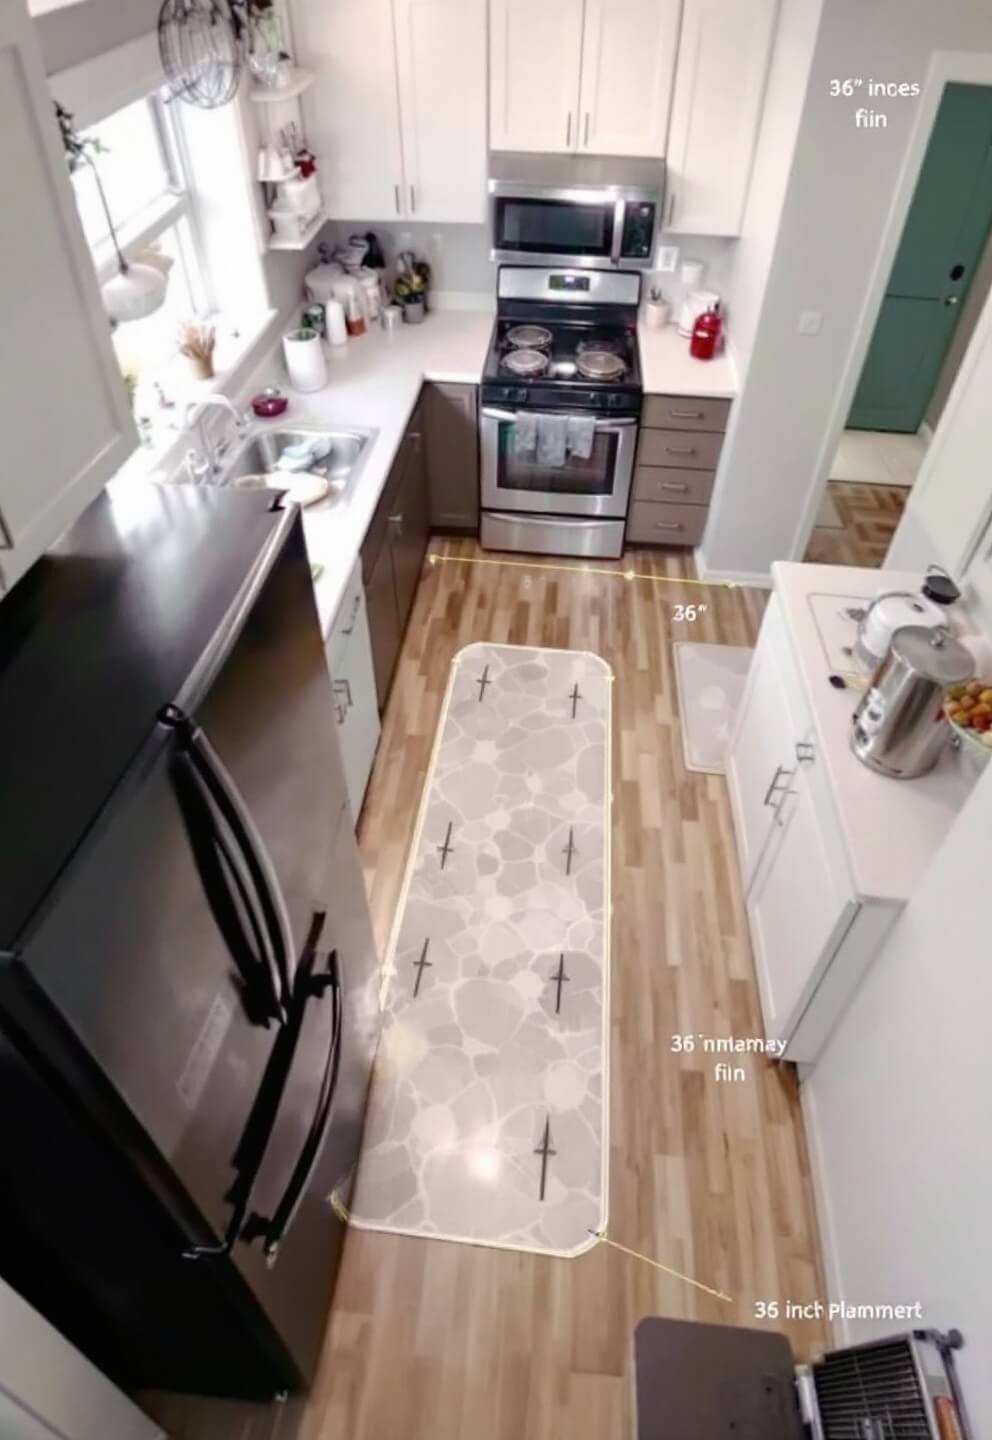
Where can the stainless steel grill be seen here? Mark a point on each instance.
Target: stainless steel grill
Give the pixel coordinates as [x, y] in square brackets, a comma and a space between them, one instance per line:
[874, 1392]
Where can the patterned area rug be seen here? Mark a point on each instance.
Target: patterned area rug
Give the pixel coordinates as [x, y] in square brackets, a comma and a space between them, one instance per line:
[710, 683]
[488, 1116]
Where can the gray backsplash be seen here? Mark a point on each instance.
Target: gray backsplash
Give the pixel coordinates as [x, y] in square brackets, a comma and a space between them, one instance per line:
[459, 254]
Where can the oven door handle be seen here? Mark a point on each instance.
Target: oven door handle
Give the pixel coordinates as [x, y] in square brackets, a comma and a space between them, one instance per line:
[510, 416]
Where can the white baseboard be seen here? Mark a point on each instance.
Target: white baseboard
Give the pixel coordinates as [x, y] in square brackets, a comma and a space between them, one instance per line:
[750, 579]
[925, 433]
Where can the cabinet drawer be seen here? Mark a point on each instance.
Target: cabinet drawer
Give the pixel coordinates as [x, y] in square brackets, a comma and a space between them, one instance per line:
[677, 487]
[679, 448]
[682, 412]
[650, 524]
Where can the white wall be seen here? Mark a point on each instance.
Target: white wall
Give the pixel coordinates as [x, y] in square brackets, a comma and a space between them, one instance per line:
[900, 1112]
[841, 188]
[47, 1387]
[752, 258]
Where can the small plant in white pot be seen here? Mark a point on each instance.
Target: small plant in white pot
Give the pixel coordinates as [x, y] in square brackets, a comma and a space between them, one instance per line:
[657, 311]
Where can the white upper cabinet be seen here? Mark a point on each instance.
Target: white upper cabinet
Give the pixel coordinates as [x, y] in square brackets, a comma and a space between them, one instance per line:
[397, 115]
[535, 56]
[628, 65]
[441, 63]
[64, 412]
[716, 111]
[352, 111]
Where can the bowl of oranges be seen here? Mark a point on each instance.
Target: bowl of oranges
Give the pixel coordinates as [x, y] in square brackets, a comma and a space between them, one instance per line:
[969, 709]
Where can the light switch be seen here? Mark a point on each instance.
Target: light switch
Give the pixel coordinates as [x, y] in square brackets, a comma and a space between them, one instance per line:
[668, 258]
[810, 322]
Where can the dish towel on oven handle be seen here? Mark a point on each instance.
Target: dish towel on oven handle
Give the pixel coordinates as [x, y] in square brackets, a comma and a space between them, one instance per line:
[525, 433]
[552, 440]
[581, 436]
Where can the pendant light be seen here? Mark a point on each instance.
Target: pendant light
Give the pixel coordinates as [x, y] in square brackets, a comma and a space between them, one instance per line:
[138, 289]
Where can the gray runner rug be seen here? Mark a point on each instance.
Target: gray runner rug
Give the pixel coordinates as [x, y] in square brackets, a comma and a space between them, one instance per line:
[489, 1108]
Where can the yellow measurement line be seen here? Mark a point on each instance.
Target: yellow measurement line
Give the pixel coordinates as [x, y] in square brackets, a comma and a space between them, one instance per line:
[435, 559]
[602, 1237]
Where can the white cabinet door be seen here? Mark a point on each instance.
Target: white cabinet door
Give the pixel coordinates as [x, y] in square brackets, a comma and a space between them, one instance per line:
[535, 55]
[716, 112]
[628, 65]
[761, 758]
[352, 111]
[800, 907]
[64, 412]
[441, 59]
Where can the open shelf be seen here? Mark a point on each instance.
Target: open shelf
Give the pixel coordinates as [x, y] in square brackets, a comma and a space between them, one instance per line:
[299, 81]
[302, 241]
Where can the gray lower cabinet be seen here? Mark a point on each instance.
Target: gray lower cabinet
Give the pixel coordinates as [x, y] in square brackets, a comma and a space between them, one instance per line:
[393, 554]
[451, 433]
[678, 451]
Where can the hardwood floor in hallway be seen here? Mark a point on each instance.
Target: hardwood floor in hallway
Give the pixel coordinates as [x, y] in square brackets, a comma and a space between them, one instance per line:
[869, 516]
[431, 1340]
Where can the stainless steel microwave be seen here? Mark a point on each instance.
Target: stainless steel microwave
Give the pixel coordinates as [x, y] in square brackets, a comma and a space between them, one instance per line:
[591, 211]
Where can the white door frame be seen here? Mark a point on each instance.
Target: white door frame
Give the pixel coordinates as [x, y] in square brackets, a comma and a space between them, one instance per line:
[946, 67]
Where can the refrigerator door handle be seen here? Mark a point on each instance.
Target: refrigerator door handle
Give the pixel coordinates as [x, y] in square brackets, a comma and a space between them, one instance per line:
[273, 1229]
[225, 795]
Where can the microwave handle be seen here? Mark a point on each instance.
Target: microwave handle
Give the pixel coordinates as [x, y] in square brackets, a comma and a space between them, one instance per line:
[510, 416]
[619, 222]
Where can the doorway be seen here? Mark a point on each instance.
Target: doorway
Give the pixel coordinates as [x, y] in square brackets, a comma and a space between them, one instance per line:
[940, 278]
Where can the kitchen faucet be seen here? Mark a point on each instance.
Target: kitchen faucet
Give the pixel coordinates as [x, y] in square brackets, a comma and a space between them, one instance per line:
[206, 463]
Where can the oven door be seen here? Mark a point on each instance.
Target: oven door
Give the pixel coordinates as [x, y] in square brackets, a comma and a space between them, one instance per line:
[514, 479]
[581, 229]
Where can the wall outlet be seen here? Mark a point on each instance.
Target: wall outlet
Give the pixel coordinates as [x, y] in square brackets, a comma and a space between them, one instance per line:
[668, 258]
[810, 322]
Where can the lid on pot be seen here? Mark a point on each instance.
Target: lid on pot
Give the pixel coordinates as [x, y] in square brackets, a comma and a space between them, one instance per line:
[933, 654]
[939, 587]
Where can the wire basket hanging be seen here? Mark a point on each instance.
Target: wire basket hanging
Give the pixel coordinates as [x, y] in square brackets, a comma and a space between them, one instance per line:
[201, 43]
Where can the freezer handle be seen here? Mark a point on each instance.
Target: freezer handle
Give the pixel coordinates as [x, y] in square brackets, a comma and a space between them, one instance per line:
[273, 1229]
[224, 794]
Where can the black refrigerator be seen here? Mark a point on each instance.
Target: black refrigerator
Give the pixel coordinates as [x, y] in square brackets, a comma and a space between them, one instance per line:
[188, 986]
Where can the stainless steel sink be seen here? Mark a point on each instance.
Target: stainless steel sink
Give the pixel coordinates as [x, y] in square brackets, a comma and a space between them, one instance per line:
[253, 459]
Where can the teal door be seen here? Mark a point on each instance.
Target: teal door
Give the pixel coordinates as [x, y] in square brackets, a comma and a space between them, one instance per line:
[945, 234]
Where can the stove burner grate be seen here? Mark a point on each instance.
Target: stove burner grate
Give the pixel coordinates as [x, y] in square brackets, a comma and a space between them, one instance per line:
[600, 364]
[529, 337]
[526, 363]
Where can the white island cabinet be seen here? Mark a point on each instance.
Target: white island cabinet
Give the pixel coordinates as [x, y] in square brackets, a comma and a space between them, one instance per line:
[64, 412]
[829, 851]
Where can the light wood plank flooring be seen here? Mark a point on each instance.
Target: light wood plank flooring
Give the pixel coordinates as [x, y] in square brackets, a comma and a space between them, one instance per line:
[869, 516]
[434, 1341]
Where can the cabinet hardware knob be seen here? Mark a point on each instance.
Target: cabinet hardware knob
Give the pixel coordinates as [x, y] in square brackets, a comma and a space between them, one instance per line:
[805, 752]
[668, 525]
[671, 207]
[680, 449]
[585, 138]
[686, 414]
[344, 687]
[350, 627]
[568, 131]
[413, 200]
[671, 485]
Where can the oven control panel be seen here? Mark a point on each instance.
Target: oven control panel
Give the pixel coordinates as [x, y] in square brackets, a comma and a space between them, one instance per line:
[560, 396]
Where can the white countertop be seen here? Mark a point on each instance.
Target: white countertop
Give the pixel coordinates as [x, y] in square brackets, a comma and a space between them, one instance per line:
[373, 384]
[667, 368]
[892, 828]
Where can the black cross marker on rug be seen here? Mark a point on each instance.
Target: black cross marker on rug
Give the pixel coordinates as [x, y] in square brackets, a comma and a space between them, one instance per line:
[545, 1151]
[420, 965]
[560, 979]
[569, 851]
[575, 695]
[447, 848]
[482, 682]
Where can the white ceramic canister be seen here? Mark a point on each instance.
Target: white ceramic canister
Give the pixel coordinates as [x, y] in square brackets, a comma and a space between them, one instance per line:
[305, 363]
[337, 330]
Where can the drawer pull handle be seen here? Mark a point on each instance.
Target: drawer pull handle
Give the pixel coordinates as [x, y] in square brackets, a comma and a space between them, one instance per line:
[680, 449]
[780, 781]
[350, 627]
[805, 752]
[344, 686]
[671, 485]
[668, 525]
[687, 414]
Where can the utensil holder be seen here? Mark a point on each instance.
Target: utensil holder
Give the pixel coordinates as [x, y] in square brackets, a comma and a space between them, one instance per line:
[657, 314]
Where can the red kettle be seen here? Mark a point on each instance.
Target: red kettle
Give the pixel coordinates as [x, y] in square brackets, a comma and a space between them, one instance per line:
[706, 333]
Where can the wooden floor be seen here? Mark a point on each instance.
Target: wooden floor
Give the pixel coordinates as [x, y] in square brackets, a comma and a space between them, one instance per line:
[432, 1341]
[870, 514]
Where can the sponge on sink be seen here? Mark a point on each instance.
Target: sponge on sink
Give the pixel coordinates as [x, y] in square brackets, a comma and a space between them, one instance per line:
[304, 453]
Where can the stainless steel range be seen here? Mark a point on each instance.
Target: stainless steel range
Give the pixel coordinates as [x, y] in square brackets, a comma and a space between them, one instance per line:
[561, 401]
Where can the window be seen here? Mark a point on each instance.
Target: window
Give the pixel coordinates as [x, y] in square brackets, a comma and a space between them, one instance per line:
[139, 156]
